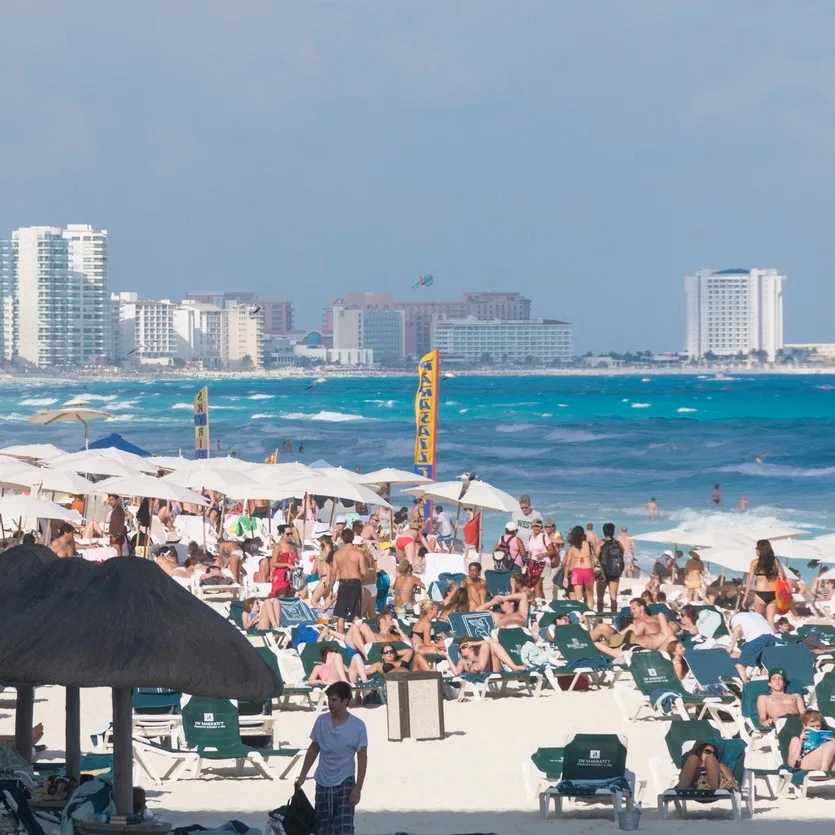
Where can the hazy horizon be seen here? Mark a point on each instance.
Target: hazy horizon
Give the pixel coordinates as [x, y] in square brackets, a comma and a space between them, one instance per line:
[587, 155]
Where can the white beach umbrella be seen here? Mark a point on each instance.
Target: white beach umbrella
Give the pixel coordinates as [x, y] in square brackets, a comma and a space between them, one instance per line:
[828, 575]
[479, 494]
[717, 538]
[80, 413]
[236, 485]
[16, 467]
[33, 452]
[339, 472]
[148, 487]
[391, 475]
[332, 488]
[131, 460]
[734, 558]
[27, 507]
[53, 481]
[167, 462]
[226, 462]
[91, 461]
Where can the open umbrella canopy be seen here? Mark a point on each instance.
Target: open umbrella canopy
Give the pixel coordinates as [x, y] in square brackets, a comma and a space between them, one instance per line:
[116, 441]
[17, 468]
[168, 462]
[330, 487]
[231, 483]
[78, 413]
[226, 462]
[26, 507]
[133, 463]
[479, 494]
[33, 452]
[730, 535]
[148, 487]
[93, 462]
[123, 623]
[391, 475]
[55, 481]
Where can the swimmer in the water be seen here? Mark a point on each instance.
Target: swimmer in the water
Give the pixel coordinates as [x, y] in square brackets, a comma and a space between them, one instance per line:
[760, 458]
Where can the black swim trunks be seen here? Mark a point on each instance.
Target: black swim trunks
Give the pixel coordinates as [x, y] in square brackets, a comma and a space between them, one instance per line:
[348, 600]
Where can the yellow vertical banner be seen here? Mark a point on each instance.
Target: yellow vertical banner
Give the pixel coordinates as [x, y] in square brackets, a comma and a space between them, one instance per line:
[201, 423]
[426, 413]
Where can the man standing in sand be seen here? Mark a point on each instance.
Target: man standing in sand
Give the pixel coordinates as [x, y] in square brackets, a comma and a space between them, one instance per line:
[628, 545]
[652, 509]
[336, 739]
[592, 538]
[524, 519]
[349, 568]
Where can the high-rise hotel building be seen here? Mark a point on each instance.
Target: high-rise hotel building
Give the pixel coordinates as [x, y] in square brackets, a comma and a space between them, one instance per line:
[736, 311]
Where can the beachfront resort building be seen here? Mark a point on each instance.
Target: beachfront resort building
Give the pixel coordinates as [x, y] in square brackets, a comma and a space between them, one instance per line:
[277, 314]
[734, 312]
[55, 296]
[420, 314]
[478, 341]
[378, 329]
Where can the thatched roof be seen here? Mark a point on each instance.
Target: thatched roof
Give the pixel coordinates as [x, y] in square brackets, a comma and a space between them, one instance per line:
[124, 623]
[22, 560]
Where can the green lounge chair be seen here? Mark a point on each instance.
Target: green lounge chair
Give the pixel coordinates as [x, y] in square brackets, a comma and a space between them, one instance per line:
[800, 781]
[722, 627]
[797, 662]
[212, 733]
[480, 685]
[270, 658]
[477, 625]
[825, 693]
[541, 771]
[498, 582]
[156, 714]
[582, 657]
[593, 768]
[825, 631]
[311, 655]
[564, 607]
[663, 694]
[680, 738]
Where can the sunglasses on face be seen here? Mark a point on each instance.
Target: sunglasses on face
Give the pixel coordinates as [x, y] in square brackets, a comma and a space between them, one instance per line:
[388, 652]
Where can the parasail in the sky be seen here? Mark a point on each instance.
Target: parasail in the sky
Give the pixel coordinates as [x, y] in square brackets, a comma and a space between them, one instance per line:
[423, 281]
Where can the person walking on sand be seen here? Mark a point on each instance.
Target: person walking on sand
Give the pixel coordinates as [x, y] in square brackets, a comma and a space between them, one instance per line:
[349, 566]
[652, 509]
[340, 741]
[628, 550]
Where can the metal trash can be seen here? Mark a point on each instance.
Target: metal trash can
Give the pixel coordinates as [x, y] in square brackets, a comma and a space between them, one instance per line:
[415, 706]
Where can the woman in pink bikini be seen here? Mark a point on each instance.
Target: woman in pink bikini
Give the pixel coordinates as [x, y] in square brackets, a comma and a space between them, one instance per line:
[579, 567]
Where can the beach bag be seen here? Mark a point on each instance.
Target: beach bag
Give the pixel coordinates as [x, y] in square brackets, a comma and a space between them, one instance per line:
[298, 578]
[611, 559]
[782, 592]
[297, 817]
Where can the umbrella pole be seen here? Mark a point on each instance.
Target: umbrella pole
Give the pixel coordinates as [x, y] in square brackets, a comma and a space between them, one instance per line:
[24, 719]
[455, 532]
[86, 434]
[123, 749]
[73, 733]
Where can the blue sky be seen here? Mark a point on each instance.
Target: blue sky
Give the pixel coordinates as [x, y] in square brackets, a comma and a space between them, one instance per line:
[590, 154]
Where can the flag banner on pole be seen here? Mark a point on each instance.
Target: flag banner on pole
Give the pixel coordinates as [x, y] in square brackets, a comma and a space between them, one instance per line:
[201, 423]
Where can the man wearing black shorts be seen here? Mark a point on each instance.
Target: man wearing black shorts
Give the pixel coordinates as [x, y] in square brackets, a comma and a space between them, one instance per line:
[349, 566]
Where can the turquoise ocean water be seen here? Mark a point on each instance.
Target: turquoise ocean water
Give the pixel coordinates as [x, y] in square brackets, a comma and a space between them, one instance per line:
[585, 448]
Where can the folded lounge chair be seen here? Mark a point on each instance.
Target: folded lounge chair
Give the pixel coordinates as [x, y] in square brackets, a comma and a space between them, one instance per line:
[212, 733]
[680, 738]
[593, 768]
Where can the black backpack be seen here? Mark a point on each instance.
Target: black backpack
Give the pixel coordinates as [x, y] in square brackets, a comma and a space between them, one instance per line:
[611, 559]
[298, 817]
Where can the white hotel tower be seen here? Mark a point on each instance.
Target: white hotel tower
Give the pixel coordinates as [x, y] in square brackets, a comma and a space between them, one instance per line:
[734, 311]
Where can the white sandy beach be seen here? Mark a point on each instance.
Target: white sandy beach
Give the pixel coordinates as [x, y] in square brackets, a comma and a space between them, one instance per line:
[467, 783]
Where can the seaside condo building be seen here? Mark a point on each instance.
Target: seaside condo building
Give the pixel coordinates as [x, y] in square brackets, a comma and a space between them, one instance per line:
[734, 313]
[55, 300]
[497, 341]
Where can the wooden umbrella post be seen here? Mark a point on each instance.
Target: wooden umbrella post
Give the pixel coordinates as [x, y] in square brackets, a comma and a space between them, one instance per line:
[123, 749]
[455, 532]
[73, 733]
[24, 719]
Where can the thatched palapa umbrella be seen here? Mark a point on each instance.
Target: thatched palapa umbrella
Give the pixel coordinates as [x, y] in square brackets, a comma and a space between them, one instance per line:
[124, 624]
[15, 565]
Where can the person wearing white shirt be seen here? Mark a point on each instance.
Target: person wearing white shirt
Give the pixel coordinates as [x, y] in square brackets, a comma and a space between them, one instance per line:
[340, 741]
[524, 519]
[443, 529]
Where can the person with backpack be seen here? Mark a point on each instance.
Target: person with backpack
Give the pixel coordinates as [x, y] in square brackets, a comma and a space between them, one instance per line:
[610, 558]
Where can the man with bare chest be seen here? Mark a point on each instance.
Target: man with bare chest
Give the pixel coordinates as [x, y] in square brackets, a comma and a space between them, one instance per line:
[349, 568]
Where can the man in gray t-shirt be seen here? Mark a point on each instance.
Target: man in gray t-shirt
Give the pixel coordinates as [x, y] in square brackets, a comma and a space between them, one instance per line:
[524, 518]
[336, 739]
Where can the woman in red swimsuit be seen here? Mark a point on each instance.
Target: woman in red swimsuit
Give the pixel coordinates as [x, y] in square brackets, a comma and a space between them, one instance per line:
[283, 561]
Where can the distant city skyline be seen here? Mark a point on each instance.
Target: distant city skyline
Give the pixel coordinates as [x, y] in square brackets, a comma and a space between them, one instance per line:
[589, 155]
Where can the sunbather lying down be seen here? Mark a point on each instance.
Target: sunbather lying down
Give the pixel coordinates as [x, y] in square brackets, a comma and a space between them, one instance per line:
[483, 657]
[37, 736]
[646, 630]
